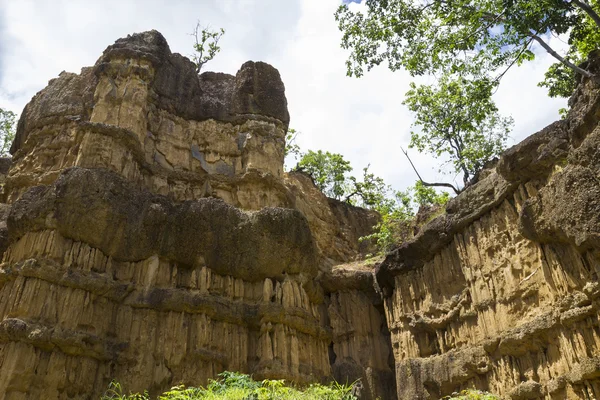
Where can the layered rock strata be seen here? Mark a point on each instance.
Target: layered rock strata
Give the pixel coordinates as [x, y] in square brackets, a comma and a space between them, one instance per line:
[144, 113]
[152, 237]
[501, 293]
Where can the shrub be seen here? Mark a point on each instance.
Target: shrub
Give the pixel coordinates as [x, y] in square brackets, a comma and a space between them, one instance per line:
[237, 386]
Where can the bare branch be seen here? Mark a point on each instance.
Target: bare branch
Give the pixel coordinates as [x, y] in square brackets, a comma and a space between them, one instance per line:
[563, 60]
[513, 61]
[434, 184]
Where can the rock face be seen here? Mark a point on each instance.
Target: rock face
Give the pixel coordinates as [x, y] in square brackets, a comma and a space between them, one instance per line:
[151, 236]
[501, 293]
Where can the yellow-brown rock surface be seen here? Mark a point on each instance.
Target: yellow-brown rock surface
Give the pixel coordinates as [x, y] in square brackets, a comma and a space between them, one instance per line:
[501, 293]
[152, 237]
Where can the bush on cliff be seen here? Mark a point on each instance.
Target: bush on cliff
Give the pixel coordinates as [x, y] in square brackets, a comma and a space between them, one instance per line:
[404, 213]
[237, 386]
[7, 130]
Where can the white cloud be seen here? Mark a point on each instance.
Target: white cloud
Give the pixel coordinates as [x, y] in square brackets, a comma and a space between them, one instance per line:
[363, 119]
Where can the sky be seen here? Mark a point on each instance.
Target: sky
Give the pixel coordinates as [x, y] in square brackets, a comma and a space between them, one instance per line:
[361, 118]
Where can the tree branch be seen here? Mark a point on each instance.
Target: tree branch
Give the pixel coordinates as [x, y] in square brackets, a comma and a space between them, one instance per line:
[198, 48]
[497, 79]
[563, 60]
[347, 199]
[588, 9]
[439, 184]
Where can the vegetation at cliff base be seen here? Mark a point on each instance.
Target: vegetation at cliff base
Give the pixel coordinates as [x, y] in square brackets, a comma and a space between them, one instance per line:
[471, 394]
[237, 386]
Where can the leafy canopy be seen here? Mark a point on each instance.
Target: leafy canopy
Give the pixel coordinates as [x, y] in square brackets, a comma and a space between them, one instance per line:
[583, 39]
[328, 171]
[398, 210]
[7, 130]
[458, 36]
[469, 46]
[458, 119]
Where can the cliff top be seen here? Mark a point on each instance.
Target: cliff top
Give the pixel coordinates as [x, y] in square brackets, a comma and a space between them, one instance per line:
[256, 89]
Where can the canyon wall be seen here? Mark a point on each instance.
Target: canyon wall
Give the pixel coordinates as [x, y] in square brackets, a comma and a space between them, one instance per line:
[151, 236]
[501, 292]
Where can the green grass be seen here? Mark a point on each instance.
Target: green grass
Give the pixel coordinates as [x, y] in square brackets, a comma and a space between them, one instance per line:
[471, 394]
[236, 386]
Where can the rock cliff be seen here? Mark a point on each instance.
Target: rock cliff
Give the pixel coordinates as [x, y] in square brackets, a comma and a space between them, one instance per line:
[501, 292]
[152, 237]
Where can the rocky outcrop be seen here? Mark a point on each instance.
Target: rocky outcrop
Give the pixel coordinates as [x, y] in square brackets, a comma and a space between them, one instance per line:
[501, 292]
[144, 113]
[150, 235]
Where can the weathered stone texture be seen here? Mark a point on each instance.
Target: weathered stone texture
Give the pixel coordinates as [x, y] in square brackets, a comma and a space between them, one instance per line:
[501, 292]
[361, 341]
[144, 113]
[151, 236]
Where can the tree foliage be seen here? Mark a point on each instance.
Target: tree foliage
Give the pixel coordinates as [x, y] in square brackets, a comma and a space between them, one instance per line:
[369, 192]
[458, 119]
[398, 211]
[7, 130]
[328, 171]
[469, 45]
[459, 36]
[291, 147]
[206, 45]
[237, 386]
[583, 39]
[291, 152]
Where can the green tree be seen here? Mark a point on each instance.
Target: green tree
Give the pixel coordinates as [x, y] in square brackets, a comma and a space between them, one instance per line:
[368, 193]
[328, 171]
[292, 149]
[458, 119]
[398, 211]
[469, 45]
[7, 130]
[206, 45]
[427, 196]
[583, 39]
[466, 36]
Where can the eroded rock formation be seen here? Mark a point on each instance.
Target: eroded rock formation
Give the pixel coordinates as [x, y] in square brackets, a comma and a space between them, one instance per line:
[152, 237]
[501, 293]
